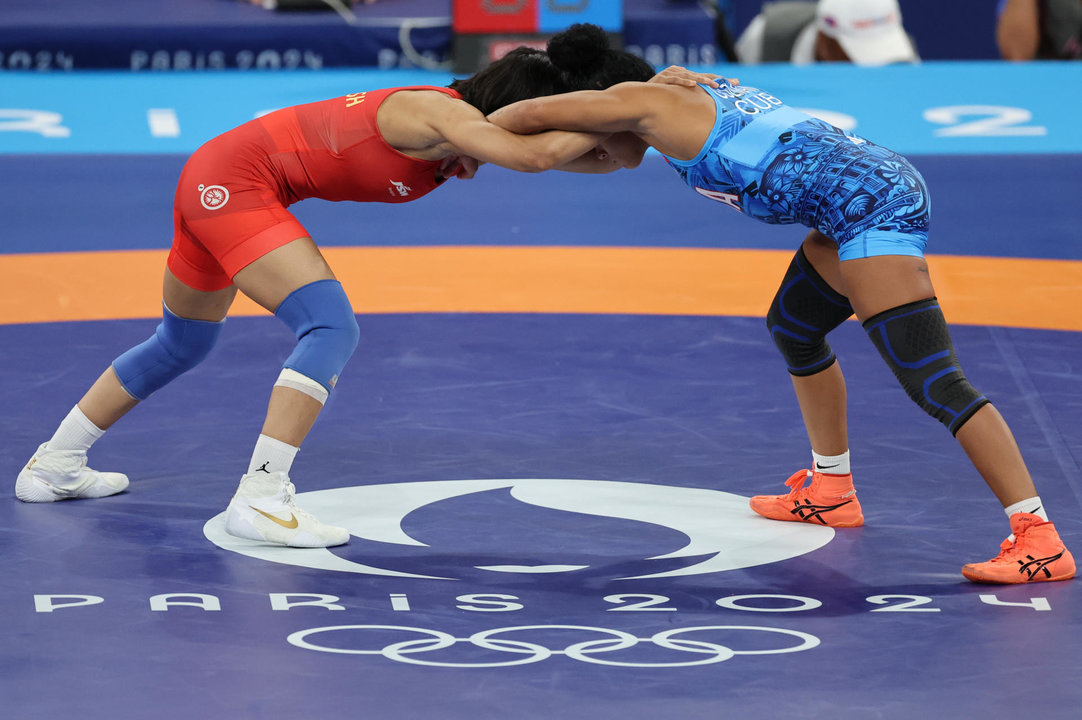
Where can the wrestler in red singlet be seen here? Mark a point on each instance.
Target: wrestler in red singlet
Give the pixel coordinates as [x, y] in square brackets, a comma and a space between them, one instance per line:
[230, 205]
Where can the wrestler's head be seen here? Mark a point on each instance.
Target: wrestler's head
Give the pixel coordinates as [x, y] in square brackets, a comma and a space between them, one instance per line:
[521, 74]
[579, 58]
[588, 61]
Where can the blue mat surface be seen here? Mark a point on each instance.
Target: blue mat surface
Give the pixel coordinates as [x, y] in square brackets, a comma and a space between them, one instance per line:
[935, 108]
[548, 511]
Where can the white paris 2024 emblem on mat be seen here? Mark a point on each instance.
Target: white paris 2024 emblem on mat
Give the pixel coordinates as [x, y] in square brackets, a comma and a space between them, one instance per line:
[719, 526]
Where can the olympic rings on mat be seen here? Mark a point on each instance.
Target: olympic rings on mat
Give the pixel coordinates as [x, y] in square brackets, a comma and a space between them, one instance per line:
[589, 650]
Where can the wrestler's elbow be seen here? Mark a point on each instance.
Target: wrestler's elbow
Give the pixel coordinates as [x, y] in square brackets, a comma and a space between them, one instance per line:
[513, 118]
[537, 160]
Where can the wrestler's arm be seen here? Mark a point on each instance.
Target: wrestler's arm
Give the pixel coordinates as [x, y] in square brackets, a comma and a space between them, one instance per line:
[595, 161]
[625, 107]
[589, 163]
[465, 131]
[678, 75]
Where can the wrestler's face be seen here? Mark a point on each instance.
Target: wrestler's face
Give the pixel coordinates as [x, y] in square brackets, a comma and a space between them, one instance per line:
[624, 149]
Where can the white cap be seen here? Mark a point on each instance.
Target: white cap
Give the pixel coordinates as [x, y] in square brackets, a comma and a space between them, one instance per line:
[870, 31]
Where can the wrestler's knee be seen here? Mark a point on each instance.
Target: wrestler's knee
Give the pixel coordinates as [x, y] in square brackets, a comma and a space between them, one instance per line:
[177, 345]
[915, 342]
[803, 311]
[322, 318]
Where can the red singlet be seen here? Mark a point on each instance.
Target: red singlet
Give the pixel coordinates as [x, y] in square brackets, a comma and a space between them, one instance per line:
[230, 206]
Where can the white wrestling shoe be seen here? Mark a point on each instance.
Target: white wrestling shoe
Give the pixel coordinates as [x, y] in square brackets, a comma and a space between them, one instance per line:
[53, 475]
[264, 508]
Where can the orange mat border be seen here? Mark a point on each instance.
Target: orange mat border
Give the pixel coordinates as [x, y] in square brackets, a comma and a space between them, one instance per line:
[1009, 292]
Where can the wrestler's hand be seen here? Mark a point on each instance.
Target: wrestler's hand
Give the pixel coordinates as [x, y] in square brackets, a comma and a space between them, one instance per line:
[467, 167]
[463, 167]
[676, 75]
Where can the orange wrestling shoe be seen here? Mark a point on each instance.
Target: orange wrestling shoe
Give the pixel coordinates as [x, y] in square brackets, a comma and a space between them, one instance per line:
[1036, 555]
[828, 500]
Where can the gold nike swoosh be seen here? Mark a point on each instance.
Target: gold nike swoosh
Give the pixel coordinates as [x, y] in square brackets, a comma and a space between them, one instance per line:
[289, 524]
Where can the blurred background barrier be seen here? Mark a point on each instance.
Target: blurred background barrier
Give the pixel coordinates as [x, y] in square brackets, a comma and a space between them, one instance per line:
[209, 35]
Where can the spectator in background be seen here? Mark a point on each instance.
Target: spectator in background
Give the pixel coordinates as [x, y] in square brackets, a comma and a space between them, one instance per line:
[864, 32]
[1039, 29]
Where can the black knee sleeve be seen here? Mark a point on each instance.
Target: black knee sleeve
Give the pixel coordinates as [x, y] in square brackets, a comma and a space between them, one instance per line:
[804, 310]
[915, 342]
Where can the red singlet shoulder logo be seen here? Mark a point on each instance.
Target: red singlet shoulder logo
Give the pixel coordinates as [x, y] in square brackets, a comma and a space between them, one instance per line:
[213, 197]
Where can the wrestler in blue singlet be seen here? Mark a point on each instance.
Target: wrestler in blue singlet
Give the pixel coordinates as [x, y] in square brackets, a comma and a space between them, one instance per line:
[782, 166]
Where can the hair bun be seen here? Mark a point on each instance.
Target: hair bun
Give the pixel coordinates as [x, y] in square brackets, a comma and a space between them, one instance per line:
[580, 49]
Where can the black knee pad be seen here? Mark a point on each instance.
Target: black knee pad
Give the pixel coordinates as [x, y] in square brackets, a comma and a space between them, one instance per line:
[915, 342]
[804, 310]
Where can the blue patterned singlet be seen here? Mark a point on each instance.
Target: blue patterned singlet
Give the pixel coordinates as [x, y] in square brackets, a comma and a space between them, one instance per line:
[779, 165]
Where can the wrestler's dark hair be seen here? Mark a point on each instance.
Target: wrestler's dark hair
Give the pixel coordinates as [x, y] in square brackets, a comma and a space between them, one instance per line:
[521, 74]
[588, 62]
[579, 58]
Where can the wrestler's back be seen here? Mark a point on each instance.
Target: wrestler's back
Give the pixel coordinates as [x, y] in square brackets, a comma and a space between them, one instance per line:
[331, 150]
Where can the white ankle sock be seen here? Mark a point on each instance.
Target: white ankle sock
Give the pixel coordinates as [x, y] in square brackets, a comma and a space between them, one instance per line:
[75, 432]
[831, 464]
[1030, 505]
[272, 455]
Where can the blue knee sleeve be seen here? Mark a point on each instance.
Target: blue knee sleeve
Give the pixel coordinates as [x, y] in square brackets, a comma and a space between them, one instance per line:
[916, 343]
[804, 310]
[176, 346]
[322, 318]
